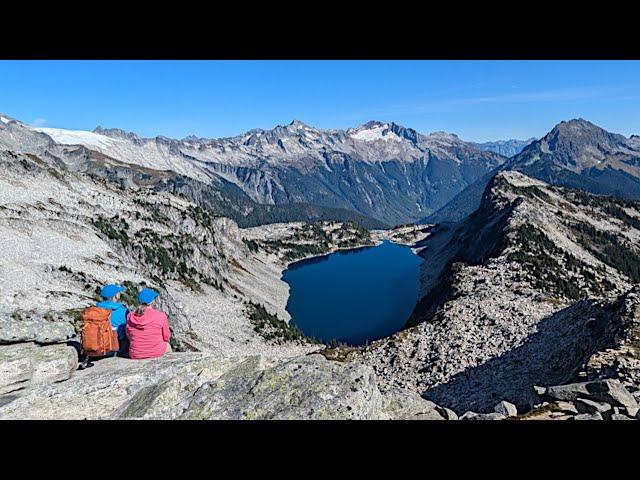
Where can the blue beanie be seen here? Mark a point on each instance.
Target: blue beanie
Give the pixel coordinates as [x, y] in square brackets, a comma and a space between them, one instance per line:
[147, 295]
[111, 290]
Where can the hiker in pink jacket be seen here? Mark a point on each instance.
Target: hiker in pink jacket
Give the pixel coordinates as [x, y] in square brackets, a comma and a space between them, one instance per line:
[147, 328]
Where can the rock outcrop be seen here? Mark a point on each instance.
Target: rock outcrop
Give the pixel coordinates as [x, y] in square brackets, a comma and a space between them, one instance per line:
[14, 330]
[205, 386]
[24, 365]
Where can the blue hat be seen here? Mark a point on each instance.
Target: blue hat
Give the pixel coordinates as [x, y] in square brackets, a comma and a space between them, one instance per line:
[111, 290]
[147, 295]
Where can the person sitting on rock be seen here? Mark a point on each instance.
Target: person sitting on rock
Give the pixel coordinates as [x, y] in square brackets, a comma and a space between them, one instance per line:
[147, 328]
[111, 294]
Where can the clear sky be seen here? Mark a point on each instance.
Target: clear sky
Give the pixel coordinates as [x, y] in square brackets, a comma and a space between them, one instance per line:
[478, 100]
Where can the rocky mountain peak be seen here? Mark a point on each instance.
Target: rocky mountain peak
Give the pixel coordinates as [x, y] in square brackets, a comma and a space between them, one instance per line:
[580, 132]
[5, 118]
[441, 135]
[115, 133]
[577, 127]
[375, 130]
[298, 124]
[373, 124]
[508, 148]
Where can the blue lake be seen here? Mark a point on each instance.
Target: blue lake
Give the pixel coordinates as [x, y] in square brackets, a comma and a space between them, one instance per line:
[354, 296]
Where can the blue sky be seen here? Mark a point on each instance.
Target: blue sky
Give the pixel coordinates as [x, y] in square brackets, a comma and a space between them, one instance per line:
[478, 100]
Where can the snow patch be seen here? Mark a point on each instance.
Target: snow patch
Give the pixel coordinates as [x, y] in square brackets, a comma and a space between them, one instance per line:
[78, 137]
[4, 120]
[379, 132]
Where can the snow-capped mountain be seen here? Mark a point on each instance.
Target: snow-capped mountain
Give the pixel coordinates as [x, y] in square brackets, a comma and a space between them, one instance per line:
[381, 170]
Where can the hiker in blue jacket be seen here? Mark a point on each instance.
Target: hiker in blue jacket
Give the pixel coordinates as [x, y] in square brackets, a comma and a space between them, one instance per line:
[111, 294]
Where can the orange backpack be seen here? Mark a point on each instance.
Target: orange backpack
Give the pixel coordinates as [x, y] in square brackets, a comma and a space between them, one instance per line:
[98, 337]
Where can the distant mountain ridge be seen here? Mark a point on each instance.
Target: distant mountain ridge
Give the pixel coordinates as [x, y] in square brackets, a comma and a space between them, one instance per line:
[381, 170]
[218, 195]
[508, 148]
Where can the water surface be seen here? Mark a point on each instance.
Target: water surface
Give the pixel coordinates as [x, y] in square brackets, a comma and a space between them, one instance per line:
[354, 296]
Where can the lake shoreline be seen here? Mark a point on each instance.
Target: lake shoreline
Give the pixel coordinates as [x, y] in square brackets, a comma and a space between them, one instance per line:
[311, 258]
[364, 297]
[379, 237]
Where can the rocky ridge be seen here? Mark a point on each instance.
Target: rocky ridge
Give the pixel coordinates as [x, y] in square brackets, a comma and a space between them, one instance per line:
[519, 294]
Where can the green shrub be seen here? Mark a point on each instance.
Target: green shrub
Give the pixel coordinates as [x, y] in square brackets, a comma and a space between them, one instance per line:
[270, 327]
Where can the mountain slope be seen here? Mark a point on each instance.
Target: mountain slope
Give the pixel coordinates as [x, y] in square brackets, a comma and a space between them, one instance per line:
[65, 234]
[380, 170]
[508, 294]
[575, 154]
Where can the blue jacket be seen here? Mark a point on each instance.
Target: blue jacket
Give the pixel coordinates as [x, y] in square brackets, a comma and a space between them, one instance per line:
[118, 316]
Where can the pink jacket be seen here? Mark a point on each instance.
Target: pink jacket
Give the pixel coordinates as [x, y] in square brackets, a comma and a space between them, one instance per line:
[148, 334]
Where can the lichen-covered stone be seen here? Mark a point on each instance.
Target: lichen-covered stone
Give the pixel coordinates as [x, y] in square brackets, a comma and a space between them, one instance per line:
[309, 387]
[24, 365]
[39, 331]
[205, 386]
[99, 391]
[401, 404]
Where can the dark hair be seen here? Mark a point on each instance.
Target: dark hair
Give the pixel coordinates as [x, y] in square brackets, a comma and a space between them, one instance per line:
[139, 310]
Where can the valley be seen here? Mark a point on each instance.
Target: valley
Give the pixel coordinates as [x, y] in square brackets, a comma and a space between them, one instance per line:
[525, 271]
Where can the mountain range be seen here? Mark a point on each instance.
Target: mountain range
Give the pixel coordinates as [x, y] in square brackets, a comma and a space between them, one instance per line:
[378, 174]
[381, 170]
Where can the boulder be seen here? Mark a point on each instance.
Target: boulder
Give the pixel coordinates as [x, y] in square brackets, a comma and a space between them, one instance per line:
[619, 416]
[468, 416]
[24, 365]
[506, 408]
[487, 416]
[584, 405]
[539, 390]
[168, 398]
[447, 413]
[587, 416]
[566, 407]
[609, 391]
[39, 331]
[567, 393]
[613, 392]
[100, 391]
[207, 386]
[401, 404]
[309, 387]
